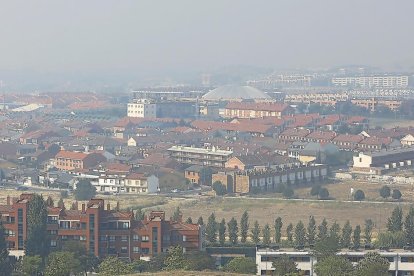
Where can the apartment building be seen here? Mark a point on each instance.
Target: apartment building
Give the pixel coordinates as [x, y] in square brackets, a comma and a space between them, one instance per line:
[382, 161]
[70, 160]
[373, 103]
[142, 108]
[256, 110]
[270, 179]
[317, 98]
[212, 157]
[401, 262]
[103, 231]
[372, 81]
[134, 183]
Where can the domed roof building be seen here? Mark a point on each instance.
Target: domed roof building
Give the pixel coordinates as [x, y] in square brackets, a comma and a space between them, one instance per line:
[231, 92]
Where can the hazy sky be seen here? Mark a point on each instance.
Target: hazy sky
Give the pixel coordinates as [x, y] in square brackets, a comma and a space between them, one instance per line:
[174, 35]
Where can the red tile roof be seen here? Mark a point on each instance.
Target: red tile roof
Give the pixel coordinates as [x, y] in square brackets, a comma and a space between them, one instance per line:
[348, 138]
[71, 155]
[326, 135]
[241, 127]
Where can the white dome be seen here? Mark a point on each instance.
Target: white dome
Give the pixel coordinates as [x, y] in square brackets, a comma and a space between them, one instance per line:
[230, 92]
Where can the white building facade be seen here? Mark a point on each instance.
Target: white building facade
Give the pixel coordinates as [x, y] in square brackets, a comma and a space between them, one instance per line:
[142, 108]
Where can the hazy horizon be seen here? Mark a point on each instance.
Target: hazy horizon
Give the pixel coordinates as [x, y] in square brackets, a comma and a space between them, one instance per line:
[145, 39]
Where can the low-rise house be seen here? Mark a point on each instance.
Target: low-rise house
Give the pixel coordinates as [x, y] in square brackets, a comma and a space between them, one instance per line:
[258, 162]
[193, 174]
[376, 143]
[320, 136]
[347, 141]
[317, 152]
[407, 140]
[69, 160]
[294, 134]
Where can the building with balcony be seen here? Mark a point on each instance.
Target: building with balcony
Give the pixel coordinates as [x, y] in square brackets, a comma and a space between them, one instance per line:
[372, 81]
[211, 157]
[103, 231]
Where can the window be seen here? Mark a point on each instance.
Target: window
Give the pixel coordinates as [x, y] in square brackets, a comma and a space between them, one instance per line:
[124, 225]
[184, 238]
[111, 238]
[124, 238]
[135, 249]
[145, 238]
[145, 250]
[53, 232]
[135, 238]
[53, 243]
[124, 249]
[64, 224]
[82, 238]
[64, 237]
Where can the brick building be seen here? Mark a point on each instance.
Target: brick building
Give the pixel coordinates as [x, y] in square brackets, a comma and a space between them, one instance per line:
[70, 160]
[256, 110]
[102, 230]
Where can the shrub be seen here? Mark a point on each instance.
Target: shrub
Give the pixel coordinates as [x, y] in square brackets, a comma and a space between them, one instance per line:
[359, 195]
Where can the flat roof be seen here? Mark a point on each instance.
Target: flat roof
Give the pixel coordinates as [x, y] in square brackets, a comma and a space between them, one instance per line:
[211, 151]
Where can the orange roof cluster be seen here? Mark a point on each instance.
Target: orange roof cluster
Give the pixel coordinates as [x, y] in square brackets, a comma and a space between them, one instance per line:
[71, 155]
[243, 126]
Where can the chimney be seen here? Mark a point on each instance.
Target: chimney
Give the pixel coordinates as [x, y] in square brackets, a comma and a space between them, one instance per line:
[108, 206]
[83, 207]
[8, 200]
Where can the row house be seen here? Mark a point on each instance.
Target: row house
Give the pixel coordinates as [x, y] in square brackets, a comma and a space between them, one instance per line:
[294, 134]
[103, 231]
[320, 136]
[256, 110]
[348, 142]
[270, 179]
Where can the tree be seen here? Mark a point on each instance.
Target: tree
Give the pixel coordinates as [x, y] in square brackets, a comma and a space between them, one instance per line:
[219, 188]
[211, 229]
[369, 225]
[288, 192]
[334, 231]
[189, 220]
[5, 266]
[206, 176]
[346, 235]
[289, 232]
[61, 203]
[200, 221]
[256, 232]
[323, 230]
[244, 227]
[315, 190]
[392, 239]
[112, 266]
[50, 202]
[356, 239]
[139, 214]
[372, 264]
[177, 214]
[409, 226]
[233, 230]
[222, 232]
[37, 242]
[84, 190]
[31, 265]
[278, 229]
[88, 262]
[199, 260]
[326, 247]
[62, 264]
[396, 194]
[175, 259]
[311, 230]
[385, 191]
[284, 266]
[394, 222]
[334, 266]
[242, 265]
[266, 234]
[300, 234]
[359, 195]
[323, 193]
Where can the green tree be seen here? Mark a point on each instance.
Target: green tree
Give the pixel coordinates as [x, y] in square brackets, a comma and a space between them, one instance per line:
[5, 265]
[289, 232]
[61, 203]
[112, 266]
[283, 265]
[200, 221]
[189, 220]
[206, 176]
[335, 230]
[311, 230]
[219, 188]
[346, 235]
[266, 234]
[62, 264]
[197, 261]
[256, 232]
[244, 227]
[372, 264]
[241, 265]
[278, 229]
[385, 191]
[334, 266]
[323, 230]
[84, 190]
[222, 232]
[392, 239]
[369, 225]
[175, 259]
[315, 190]
[139, 214]
[177, 214]
[356, 239]
[394, 223]
[300, 234]
[409, 226]
[359, 195]
[88, 262]
[326, 247]
[323, 193]
[233, 230]
[37, 242]
[31, 265]
[288, 192]
[211, 229]
[396, 194]
[50, 202]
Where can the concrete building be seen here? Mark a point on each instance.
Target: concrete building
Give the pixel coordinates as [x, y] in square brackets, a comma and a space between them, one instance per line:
[70, 160]
[134, 183]
[383, 161]
[401, 261]
[317, 98]
[142, 108]
[103, 231]
[372, 81]
[373, 103]
[211, 157]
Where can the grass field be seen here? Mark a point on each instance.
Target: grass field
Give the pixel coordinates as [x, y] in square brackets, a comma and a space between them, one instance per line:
[389, 123]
